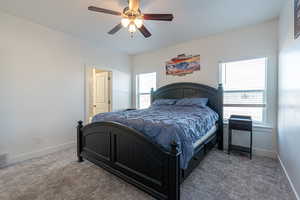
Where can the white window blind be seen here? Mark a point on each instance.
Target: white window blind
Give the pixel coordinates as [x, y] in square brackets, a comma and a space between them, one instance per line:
[244, 85]
[144, 84]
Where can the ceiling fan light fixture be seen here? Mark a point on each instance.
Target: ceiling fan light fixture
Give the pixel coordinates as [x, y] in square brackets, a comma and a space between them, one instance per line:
[125, 22]
[138, 22]
[132, 28]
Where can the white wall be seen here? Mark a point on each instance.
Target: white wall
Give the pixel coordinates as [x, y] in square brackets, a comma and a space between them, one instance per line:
[289, 96]
[251, 42]
[42, 86]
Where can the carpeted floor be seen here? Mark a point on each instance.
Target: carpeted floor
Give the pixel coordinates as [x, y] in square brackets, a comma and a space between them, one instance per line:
[218, 177]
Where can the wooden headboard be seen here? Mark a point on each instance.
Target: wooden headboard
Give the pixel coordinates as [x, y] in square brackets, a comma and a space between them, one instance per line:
[191, 90]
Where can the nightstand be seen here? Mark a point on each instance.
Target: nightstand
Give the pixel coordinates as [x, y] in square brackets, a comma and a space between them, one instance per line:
[242, 123]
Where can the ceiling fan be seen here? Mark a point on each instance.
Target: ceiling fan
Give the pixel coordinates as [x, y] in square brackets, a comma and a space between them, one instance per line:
[133, 18]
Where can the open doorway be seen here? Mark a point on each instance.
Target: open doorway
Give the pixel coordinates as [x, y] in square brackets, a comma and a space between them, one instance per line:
[98, 92]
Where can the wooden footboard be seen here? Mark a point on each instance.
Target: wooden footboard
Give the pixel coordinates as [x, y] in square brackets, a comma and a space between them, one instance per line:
[128, 154]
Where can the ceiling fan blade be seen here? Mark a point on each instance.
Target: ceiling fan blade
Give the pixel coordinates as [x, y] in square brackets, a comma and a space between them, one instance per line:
[145, 31]
[115, 29]
[103, 10]
[134, 5]
[160, 17]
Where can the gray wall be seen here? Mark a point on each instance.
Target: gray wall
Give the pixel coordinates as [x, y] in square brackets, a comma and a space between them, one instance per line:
[255, 41]
[289, 96]
[42, 86]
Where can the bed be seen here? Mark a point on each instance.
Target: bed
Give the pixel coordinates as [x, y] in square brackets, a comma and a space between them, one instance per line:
[143, 146]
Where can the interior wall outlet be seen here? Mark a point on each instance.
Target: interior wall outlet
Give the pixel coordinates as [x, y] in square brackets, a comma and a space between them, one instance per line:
[3, 160]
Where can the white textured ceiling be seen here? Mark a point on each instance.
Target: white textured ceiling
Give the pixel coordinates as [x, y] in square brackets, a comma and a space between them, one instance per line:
[193, 19]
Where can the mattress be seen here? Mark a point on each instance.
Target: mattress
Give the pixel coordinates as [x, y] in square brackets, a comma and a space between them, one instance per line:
[206, 136]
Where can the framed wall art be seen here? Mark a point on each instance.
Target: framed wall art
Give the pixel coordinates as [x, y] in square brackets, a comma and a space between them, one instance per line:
[183, 65]
[297, 18]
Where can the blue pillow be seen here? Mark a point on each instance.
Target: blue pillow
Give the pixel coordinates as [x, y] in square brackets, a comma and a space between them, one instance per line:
[164, 102]
[201, 102]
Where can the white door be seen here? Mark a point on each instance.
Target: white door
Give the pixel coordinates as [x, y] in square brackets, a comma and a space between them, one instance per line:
[101, 93]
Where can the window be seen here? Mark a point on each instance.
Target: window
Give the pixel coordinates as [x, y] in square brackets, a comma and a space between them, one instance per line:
[244, 85]
[144, 84]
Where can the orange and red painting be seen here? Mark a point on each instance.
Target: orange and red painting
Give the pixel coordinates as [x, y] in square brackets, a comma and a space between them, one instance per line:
[183, 65]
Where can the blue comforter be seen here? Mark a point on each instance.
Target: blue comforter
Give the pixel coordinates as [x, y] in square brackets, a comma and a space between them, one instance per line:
[166, 123]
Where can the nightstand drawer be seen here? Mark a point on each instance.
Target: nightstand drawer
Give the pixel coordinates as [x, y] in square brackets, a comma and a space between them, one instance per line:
[240, 125]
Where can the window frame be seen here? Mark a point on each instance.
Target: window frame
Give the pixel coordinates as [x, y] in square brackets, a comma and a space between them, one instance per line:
[264, 106]
[138, 94]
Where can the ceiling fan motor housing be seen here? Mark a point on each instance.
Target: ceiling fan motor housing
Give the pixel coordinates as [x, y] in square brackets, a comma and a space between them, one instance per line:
[131, 13]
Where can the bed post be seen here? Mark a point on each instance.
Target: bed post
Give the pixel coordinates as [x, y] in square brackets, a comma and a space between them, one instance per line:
[174, 173]
[220, 112]
[152, 95]
[79, 142]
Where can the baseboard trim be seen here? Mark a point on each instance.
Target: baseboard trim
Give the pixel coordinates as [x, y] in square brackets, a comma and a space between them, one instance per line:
[264, 153]
[288, 177]
[27, 156]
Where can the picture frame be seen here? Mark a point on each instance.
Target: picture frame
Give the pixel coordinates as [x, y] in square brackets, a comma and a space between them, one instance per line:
[182, 65]
[297, 18]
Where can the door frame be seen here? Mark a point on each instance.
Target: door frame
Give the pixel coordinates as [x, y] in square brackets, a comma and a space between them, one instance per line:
[89, 73]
